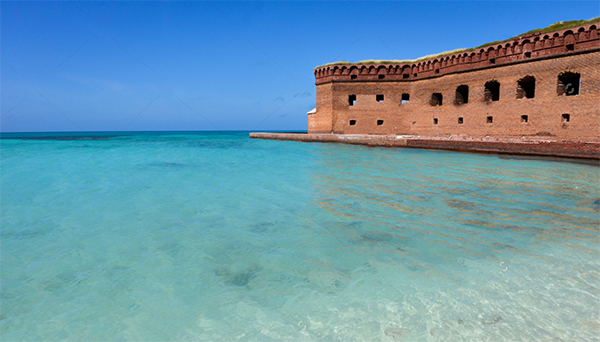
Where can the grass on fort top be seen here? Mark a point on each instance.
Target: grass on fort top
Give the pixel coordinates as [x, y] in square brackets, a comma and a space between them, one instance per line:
[554, 27]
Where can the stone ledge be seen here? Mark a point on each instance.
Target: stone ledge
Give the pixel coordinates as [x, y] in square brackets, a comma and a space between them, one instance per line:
[537, 146]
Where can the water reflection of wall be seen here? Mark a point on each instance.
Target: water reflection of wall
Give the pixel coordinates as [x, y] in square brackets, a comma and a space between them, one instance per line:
[420, 210]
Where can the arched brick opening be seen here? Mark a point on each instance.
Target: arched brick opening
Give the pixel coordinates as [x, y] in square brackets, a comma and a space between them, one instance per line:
[526, 48]
[436, 66]
[526, 87]
[569, 40]
[581, 34]
[462, 95]
[491, 53]
[406, 71]
[436, 99]
[593, 32]
[381, 72]
[353, 71]
[568, 84]
[546, 42]
[492, 91]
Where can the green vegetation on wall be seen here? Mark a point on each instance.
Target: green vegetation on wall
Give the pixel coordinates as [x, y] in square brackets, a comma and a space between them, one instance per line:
[561, 25]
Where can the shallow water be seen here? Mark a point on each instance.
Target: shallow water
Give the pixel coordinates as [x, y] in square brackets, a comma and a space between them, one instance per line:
[214, 236]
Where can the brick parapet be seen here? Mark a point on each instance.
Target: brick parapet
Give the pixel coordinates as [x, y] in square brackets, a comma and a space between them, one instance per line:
[524, 48]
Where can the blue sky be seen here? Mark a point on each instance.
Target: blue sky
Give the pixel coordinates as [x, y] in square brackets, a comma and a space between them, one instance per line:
[130, 66]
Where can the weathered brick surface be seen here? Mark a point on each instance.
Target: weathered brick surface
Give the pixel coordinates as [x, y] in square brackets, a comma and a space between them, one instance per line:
[542, 56]
[523, 146]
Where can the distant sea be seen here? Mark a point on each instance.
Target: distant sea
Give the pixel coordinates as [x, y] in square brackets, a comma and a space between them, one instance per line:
[212, 236]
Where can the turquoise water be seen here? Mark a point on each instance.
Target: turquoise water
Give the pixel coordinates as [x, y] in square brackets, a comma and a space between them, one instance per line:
[215, 236]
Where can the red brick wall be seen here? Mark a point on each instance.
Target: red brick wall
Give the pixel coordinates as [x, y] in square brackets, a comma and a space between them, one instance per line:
[321, 121]
[544, 112]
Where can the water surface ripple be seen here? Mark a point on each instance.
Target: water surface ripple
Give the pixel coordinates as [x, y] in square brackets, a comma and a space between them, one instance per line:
[214, 236]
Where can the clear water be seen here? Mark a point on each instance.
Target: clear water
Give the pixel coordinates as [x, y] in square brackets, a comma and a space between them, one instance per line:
[215, 236]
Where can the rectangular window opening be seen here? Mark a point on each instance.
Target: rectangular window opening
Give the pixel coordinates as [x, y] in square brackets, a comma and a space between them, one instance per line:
[566, 117]
[460, 120]
[381, 77]
[462, 95]
[568, 84]
[415, 75]
[379, 122]
[489, 119]
[492, 60]
[353, 77]
[526, 87]
[379, 98]
[528, 54]
[437, 71]
[352, 122]
[436, 99]
[405, 98]
[492, 91]
[435, 121]
[405, 76]
[351, 100]
[524, 118]
[570, 47]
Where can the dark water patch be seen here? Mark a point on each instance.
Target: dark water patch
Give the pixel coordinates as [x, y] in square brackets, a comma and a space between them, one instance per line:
[492, 319]
[215, 144]
[328, 280]
[173, 249]
[13, 288]
[376, 236]
[503, 246]
[394, 333]
[354, 224]
[461, 205]
[486, 224]
[170, 165]
[242, 278]
[262, 227]
[62, 281]
[235, 274]
[591, 162]
[222, 271]
[62, 137]
[91, 146]
[27, 234]
[118, 270]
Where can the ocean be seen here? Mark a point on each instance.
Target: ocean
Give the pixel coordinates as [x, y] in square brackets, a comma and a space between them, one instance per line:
[212, 236]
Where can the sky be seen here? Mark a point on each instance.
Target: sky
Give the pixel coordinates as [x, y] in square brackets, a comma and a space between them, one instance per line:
[244, 65]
